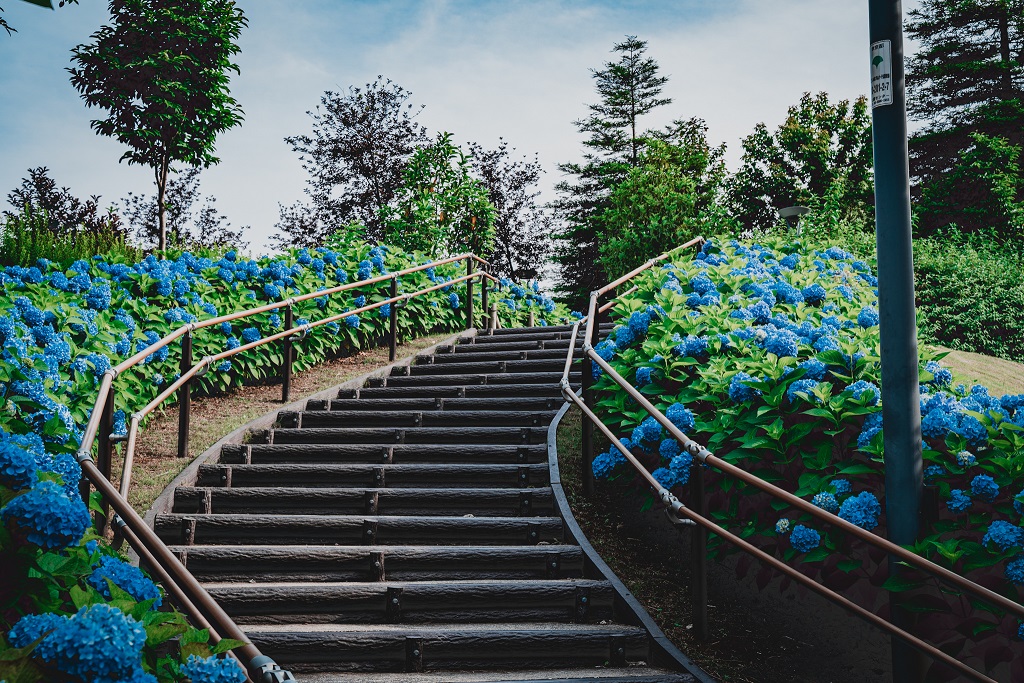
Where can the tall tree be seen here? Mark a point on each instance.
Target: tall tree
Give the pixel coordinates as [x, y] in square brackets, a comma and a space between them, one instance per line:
[967, 78]
[186, 222]
[440, 209]
[670, 196]
[65, 213]
[362, 140]
[161, 71]
[629, 88]
[522, 227]
[821, 147]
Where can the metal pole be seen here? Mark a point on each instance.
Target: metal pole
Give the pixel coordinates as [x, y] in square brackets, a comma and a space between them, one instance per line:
[587, 438]
[901, 413]
[286, 360]
[184, 396]
[393, 321]
[105, 455]
[699, 556]
[469, 294]
[483, 296]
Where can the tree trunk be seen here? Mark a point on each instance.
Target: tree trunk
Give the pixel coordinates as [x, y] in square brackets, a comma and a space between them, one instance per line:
[161, 202]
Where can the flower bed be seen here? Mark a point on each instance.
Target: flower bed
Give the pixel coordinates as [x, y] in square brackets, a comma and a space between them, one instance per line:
[70, 607]
[768, 355]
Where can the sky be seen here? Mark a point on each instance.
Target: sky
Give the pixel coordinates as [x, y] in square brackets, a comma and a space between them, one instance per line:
[483, 69]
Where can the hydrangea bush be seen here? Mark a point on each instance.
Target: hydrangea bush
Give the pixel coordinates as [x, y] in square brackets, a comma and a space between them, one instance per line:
[769, 355]
[71, 608]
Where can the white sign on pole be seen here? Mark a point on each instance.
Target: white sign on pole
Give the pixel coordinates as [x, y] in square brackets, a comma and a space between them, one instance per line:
[881, 73]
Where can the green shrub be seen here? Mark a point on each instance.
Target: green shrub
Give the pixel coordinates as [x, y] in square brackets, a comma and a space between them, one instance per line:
[26, 238]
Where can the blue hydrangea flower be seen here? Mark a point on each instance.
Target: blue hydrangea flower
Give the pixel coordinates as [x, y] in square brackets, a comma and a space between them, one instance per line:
[681, 465]
[693, 347]
[250, 334]
[126, 577]
[638, 323]
[862, 390]
[814, 369]
[453, 300]
[385, 311]
[100, 642]
[98, 297]
[1015, 570]
[802, 386]
[958, 501]
[643, 376]
[669, 448]
[17, 466]
[1018, 502]
[1004, 535]
[666, 477]
[868, 317]
[804, 539]
[966, 459]
[782, 343]
[841, 487]
[33, 626]
[649, 430]
[933, 471]
[739, 392]
[814, 294]
[761, 312]
[783, 526]
[352, 320]
[826, 501]
[983, 486]
[213, 670]
[681, 416]
[47, 517]
[272, 291]
[862, 510]
[624, 336]
[941, 377]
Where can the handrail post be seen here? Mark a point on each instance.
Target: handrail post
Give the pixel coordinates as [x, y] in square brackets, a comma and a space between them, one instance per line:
[587, 438]
[699, 556]
[494, 316]
[530, 319]
[393, 322]
[286, 360]
[185, 396]
[104, 456]
[469, 294]
[483, 295]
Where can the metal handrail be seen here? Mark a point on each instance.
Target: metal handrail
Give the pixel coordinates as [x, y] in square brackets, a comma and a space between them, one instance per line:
[183, 588]
[685, 515]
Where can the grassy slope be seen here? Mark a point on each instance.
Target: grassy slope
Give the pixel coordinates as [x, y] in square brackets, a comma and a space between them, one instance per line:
[1000, 376]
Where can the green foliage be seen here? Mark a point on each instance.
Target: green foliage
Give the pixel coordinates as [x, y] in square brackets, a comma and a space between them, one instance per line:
[821, 147]
[26, 238]
[805, 437]
[966, 79]
[440, 209]
[628, 88]
[983, 192]
[669, 195]
[161, 72]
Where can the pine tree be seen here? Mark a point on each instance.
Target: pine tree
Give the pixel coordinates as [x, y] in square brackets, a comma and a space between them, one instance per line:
[966, 79]
[629, 88]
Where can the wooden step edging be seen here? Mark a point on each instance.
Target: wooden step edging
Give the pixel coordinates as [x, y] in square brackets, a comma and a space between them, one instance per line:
[663, 652]
[189, 476]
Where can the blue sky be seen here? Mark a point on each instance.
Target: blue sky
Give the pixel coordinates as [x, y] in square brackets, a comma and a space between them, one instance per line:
[484, 70]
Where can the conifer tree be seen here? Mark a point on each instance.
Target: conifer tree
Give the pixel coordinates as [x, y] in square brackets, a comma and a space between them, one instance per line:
[629, 88]
[967, 79]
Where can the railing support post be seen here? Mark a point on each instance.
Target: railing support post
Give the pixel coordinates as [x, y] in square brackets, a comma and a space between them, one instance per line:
[469, 294]
[587, 438]
[104, 456]
[530, 319]
[699, 556]
[393, 322]
[286, 360]
[483, 295]
[494, 316]
[185, 396]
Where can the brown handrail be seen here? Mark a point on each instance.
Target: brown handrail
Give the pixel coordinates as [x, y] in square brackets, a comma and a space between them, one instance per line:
[183, 588]
[682, 514]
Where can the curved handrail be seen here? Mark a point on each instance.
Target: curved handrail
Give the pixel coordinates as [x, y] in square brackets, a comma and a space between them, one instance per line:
[183, 588]
[685, 515]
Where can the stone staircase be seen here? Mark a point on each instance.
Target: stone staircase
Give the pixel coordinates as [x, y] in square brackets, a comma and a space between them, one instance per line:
[409, 531]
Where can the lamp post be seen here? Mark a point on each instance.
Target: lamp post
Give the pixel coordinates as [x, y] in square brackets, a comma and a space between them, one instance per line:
[901, 411]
